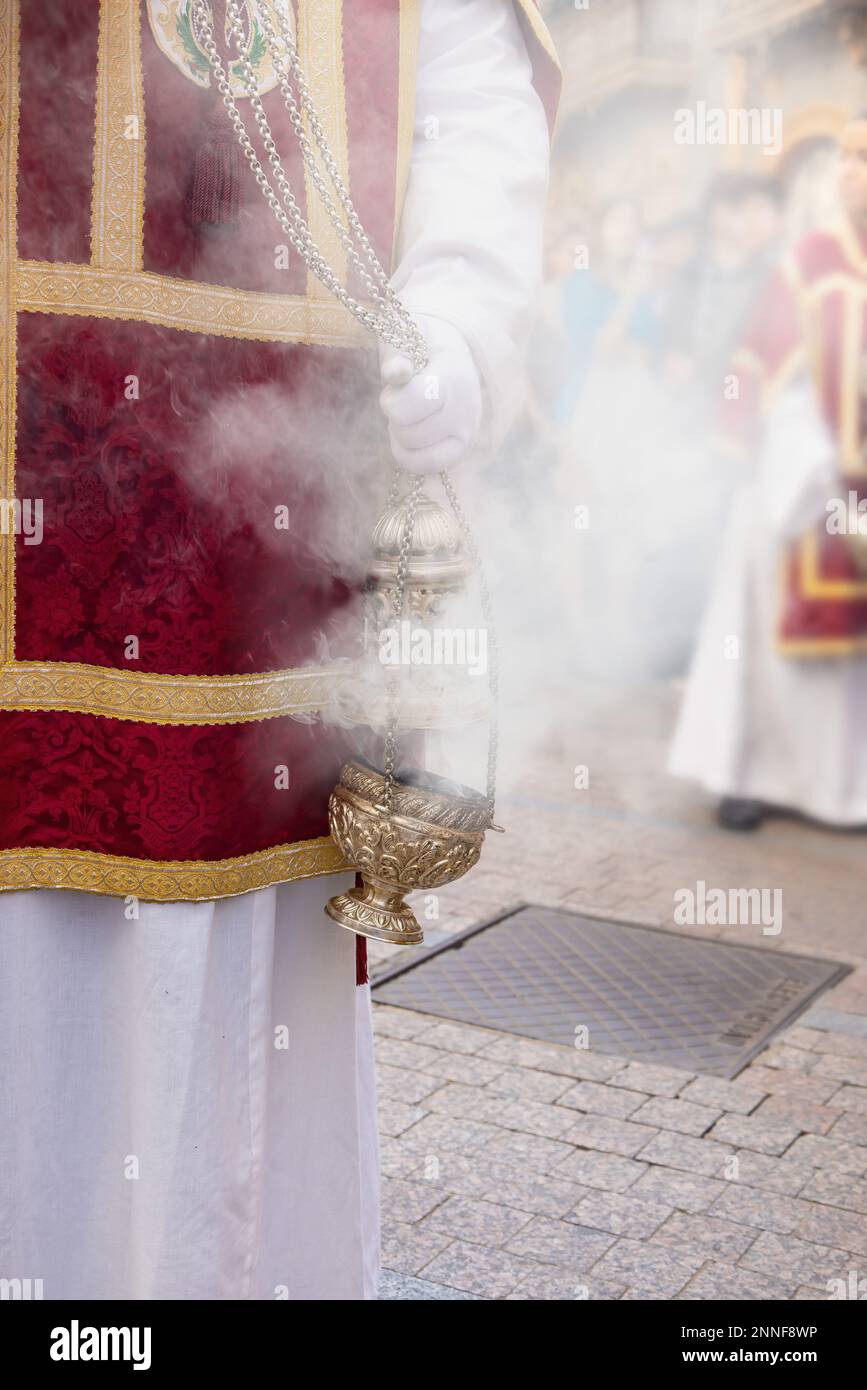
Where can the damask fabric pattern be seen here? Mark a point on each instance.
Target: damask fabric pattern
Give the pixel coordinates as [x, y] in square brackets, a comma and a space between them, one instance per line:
[204, 495]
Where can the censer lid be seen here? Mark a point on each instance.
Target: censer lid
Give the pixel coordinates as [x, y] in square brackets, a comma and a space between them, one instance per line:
[437, 551]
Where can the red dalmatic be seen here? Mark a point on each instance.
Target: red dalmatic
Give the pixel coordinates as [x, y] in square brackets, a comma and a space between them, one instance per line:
[190, 410]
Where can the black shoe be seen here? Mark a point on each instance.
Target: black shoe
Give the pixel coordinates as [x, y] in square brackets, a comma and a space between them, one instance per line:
[739, 813]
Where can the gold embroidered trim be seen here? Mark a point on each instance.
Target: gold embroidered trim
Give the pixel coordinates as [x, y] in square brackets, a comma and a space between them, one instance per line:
[174, 880]
[117, 208]
[320, 48]
[819, 646]
[540, 29]
[9, 34]
[850, 386]
[814, 586]
[158, 699]
[410, 29]
[47, 288]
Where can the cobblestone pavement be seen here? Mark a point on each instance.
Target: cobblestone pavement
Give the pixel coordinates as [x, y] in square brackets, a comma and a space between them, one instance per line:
[513, 1169]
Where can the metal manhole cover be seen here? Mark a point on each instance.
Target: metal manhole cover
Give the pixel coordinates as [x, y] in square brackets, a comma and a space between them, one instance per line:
[640, 992]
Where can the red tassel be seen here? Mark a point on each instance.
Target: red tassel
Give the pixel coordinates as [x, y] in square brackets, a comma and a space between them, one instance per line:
[361, 960]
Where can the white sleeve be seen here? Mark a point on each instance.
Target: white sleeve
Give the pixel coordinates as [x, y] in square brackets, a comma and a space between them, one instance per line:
[798, 471]
[470, 248]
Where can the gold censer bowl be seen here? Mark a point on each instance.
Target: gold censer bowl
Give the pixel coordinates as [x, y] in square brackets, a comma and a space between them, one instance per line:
[431, 835]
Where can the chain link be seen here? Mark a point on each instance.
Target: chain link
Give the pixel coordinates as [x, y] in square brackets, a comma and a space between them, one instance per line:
[391, 322]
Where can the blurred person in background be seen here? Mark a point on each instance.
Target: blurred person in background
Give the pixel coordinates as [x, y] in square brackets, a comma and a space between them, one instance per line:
[774, 711]
[605, 303]
[739, 243]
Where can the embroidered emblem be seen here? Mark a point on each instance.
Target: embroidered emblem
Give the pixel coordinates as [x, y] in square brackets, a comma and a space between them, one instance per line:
[176, 32]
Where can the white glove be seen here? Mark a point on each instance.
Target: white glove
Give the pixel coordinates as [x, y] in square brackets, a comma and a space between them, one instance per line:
[434, 418]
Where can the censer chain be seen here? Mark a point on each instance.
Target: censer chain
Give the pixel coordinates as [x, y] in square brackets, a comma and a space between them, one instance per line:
[391, 322]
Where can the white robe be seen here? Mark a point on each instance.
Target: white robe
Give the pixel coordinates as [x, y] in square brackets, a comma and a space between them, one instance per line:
[156, 1140]
[785, 730]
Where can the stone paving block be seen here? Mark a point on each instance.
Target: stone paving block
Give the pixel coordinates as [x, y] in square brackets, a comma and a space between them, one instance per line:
[395, 1161]
[458, 1037]
[436, 1132]
[520, 1083]
[825, 1152]
[399, 1023]
[564, 1061]
[610, 1136]
[468, 1175]
[808, 1294]
[621, 1214]
[605, 1171]
[782, 1175]
[705, 1234]
[470, 1102]
[844, 1230]
[681, 1116]
[852, 1098]
[400, 1083]
[836, 1021]
[852, 1128]
[532, 1117]
[766, 1211]
[406, 1200]
[544, 1196]
[548, 1283]
[836, 1190]
[490, 1273]
[803, 1038]
[684, 1191]
[792, 1260]
[787, 1109]
[395, 1116]
[704, 1156]
[812, 1088]
[594, 1098]
[749, 1132]
[842, 1069]
[483, 1223]
[403, 1288]
[724, 1282]
[464, 1068]
[648, 1269]
[407, 1248]
[787, 1058]
[400, 1052]
[837, 1044]
[560, 1242]
[533, 1152]
[656, 1081]
[735, 1096]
